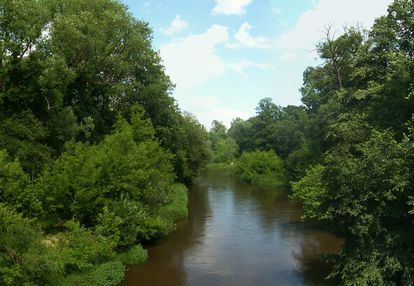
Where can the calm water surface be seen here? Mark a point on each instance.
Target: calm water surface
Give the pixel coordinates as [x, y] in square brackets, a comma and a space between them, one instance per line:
[237, 235]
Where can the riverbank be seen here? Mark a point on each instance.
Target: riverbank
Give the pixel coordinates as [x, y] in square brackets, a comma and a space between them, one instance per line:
[112, 272]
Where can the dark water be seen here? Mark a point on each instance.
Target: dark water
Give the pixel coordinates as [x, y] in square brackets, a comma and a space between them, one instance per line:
[237, 235]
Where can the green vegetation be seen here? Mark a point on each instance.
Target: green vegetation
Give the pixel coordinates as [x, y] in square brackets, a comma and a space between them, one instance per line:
[94, 151]
[259, 166]
[349, 148]
[177, 209]
[135, 255]
[311, 191]
[262, 168]
[107, 274]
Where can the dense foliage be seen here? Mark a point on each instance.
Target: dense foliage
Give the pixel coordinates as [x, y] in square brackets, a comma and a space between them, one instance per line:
[93, 149]
[263, 168]
[349, 148]
[361, 100]
[224, 148]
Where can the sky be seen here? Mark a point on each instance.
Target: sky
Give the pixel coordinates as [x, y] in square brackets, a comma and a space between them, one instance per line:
[226, 55]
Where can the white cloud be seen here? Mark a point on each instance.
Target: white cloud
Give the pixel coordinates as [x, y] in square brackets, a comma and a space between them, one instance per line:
[193, 60]
[206, 102]
[209, 108]
[335, 13]
[231, 7]
[225, 115]
[242, 65]
[288, 56]
[177, 26]
[245, 39]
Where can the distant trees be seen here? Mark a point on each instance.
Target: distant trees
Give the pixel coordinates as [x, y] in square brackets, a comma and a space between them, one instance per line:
[263, 168]
[223, 147]
[286, 130]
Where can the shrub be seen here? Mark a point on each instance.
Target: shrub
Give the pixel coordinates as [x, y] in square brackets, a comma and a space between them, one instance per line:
[80, 249]
[135, 255]
[225, 151]
[127, 173]
[177, 208]
[264, 168]
[15, 187]
[24, 259]
[310, 191]
[107, 274]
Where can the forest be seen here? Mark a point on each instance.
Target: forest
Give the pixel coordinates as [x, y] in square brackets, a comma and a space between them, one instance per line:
[94, 151]
[95, 154]
[348, 150]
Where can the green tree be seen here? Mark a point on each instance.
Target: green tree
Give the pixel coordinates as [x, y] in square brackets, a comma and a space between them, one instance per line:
[16, 189]
[217, 132]
[24, 258]
[226, 151]
[263, 168]
[127, 170]
[311, 191]
[241, 131]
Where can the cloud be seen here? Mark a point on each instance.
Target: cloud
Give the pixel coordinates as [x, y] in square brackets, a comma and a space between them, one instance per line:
[225, 115]
[177, 26]
[288, 56]
[335, 13]
[242, 65]
[193, 60]
[203, 102]
[209, 108]
[246, 40]
[231, 7]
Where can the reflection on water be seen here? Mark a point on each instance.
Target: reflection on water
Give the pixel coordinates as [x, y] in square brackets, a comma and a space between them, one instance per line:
[237, 235]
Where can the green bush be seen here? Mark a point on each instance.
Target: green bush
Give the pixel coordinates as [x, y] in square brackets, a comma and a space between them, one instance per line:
[126, 179]
[107, 274]
[80, 249]
[177, 208]
[310, 191]
[263, 168]
[225, 151]
[160, 223]
[24, 259]
[135, 255]
[15, 187]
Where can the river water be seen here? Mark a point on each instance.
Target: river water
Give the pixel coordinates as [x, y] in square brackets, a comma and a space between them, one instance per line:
[238, 235]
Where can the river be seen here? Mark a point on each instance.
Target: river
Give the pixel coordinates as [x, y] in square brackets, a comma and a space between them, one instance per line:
[238, 235]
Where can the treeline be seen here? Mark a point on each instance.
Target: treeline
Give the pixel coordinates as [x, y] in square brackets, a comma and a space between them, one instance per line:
[94, 151]
[349, 149]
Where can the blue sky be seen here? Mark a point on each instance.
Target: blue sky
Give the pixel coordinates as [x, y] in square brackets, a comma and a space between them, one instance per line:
[226, 55]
